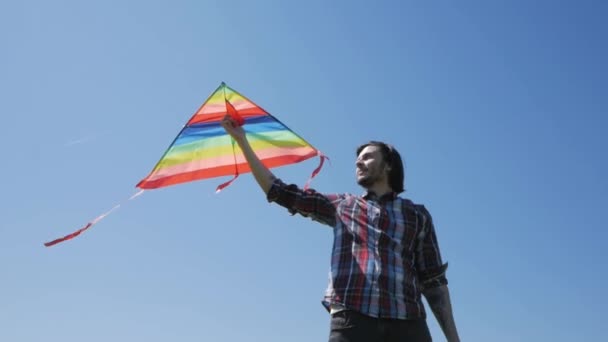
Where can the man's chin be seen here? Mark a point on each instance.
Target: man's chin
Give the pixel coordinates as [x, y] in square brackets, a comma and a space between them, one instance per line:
[364, 182]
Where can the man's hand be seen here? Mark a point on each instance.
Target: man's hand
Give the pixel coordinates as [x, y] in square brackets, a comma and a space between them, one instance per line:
[233, 128]
[260, 172]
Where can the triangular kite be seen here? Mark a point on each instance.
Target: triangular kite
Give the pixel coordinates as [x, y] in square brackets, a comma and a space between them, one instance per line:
[203, 149]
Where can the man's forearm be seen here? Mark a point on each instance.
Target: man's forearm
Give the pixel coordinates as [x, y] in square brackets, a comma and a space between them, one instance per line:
[260, 172]
[439, 301]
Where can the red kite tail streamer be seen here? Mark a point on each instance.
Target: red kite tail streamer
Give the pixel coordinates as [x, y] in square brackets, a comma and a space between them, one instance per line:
[90, 224]
[230, 110]
[236, 173]
[322, 158]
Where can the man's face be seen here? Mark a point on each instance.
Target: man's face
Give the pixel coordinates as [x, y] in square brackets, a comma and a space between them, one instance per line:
[370, 166]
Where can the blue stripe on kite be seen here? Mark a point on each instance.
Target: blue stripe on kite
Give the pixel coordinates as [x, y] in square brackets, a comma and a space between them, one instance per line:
[196, 132]
[266, 124]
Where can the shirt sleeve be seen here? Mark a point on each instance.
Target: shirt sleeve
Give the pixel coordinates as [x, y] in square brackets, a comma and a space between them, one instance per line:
[307, 203]
[431, 269]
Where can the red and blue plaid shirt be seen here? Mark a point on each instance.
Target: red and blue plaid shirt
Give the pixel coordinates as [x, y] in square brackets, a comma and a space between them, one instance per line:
[384, 254]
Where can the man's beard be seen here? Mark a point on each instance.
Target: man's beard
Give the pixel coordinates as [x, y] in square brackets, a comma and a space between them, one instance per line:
[366, 181]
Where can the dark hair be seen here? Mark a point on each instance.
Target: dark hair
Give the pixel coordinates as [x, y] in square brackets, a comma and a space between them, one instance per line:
[393, 159]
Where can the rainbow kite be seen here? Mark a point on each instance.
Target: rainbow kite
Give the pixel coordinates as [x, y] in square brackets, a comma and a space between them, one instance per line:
[203, 149]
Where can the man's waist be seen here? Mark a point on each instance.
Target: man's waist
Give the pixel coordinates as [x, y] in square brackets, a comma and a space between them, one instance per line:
[335, 308]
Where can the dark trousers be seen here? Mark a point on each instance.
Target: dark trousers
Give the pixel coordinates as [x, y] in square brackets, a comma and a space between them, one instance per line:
[351, 326]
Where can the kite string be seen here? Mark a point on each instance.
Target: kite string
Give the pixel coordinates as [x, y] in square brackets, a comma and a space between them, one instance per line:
[91, 223]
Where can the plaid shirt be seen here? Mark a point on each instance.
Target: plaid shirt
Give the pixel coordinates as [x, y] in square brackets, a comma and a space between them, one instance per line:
[384, 254]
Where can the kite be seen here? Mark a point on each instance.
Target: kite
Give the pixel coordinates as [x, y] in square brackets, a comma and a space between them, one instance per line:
[204, 150]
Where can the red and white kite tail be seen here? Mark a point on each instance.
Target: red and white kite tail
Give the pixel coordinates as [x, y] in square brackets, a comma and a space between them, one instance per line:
[90, 224]
[322, 158]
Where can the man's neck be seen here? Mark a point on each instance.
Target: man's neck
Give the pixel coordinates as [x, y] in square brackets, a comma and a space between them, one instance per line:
[379, 189]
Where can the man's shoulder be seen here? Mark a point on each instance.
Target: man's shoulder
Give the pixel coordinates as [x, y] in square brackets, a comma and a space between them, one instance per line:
[345, 198]
[409, 202]
[419, 207]
[335, 197]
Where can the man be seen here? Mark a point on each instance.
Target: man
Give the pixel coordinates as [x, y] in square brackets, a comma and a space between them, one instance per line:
[385, 252]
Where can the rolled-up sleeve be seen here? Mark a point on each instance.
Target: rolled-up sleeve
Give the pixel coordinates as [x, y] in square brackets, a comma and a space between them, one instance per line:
[307, 203]
[431, 269]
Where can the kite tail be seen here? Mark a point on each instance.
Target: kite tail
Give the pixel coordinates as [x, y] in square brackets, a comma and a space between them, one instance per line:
[236, 171]
[224, 185]
[90, 224]
[234, 114]
[322, 158]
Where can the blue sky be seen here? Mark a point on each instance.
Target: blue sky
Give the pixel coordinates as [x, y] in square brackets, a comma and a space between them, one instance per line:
[498, 108]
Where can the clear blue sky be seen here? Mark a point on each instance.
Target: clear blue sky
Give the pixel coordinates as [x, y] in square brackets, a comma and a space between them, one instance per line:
[499, 109]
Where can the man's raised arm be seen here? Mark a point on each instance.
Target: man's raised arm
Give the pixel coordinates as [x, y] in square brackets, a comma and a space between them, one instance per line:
[260, 172]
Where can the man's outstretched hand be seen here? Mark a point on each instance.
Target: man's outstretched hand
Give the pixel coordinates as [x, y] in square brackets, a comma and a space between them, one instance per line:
[261, 173]
[233, 128]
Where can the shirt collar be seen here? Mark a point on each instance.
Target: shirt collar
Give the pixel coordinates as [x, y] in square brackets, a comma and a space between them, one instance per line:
[389, 196]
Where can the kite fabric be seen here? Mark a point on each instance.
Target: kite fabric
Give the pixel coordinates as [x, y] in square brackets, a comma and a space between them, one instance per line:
[203, 149]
